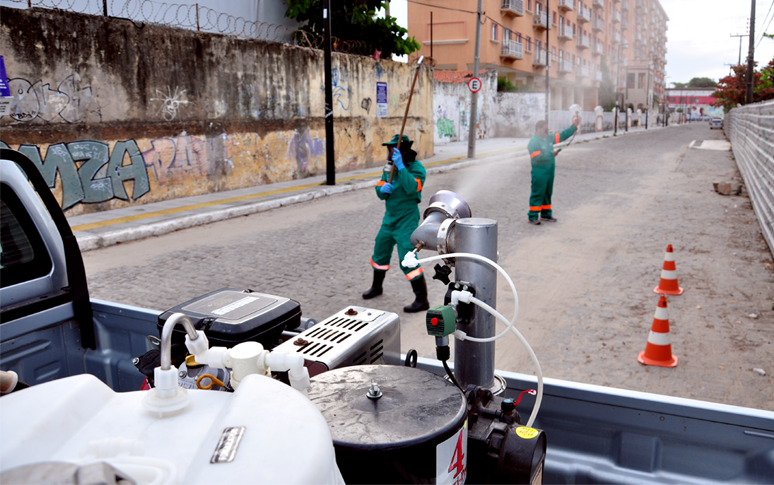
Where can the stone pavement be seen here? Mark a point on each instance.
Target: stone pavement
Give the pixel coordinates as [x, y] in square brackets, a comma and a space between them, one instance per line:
[106, 228]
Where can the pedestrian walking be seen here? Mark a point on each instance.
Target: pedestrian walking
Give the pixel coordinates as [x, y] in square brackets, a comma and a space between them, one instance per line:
[543, 157]
[401, 217]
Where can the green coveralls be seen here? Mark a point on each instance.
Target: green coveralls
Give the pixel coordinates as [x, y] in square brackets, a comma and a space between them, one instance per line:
[401, 216]
[543, 164]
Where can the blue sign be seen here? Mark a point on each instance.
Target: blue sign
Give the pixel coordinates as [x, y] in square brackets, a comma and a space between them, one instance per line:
[381, 100]
[4, 90]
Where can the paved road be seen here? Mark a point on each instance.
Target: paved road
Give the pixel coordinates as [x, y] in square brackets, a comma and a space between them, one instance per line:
[585, 284]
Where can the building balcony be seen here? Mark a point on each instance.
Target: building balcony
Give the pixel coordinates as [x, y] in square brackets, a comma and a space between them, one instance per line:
[583, 71]
[539, 58]
[617, 37]
[540, 21]
[598, 25]
[566, 5]
[599, 3]
[510, 49]
[565, 32]
[584, 42]
[512, 8]
[616, 16]
[639, 4]
[625, 24]
[584, 14]
[599, 49]
[565, 66]
[625, 6]
[598, 76]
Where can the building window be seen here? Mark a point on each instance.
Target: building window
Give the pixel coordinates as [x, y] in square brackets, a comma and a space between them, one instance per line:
[529, 44]
[538, 8]
[529, 5]
[507, 34]
[494, 31]
[641, 80]
[554, 17]
[561, 20]
[518, 37]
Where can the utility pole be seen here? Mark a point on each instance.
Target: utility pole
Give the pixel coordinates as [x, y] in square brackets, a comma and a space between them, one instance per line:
[548, 62]
[751, 57]
[474, 96]
[330, 158]
[740, 46]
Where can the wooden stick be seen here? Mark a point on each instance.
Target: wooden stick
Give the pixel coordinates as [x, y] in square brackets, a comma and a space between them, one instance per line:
[405, 115]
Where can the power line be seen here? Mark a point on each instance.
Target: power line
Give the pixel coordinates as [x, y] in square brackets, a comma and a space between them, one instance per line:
[763, 31]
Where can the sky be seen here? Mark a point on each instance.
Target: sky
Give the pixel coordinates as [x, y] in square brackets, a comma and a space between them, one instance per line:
[698, 35]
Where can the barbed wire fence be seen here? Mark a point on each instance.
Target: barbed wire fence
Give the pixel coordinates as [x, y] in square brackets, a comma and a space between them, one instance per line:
[204, 19]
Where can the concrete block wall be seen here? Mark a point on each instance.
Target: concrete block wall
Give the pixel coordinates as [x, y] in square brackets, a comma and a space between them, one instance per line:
[118, 114]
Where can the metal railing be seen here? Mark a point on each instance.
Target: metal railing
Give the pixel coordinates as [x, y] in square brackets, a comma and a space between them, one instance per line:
[625, 5]
[599, 24]
[540, 20]
[750, 130]
[584, 14]
[565, 66]
[599, 48]
[565, 32]
[625, 24]
[584, 41]
[599, 3]
[583, 71]
[598, 76]
[539, 58]
[512, 49]
[616, 16]
[515, 7]
[567, 4]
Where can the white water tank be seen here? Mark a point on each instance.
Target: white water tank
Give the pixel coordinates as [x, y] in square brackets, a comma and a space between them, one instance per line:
[265, 432]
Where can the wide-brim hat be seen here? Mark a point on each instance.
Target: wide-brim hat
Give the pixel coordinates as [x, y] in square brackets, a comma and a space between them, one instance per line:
[406, 141]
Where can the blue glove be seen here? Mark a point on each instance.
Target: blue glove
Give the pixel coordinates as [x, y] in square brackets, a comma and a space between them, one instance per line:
[397, 159]
[386, 189]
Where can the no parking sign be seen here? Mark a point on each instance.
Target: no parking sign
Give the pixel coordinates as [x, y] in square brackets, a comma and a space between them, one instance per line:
[474, 85]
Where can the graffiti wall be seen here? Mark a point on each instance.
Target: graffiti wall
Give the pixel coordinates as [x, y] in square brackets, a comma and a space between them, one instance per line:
[451, 110]
[124, 114]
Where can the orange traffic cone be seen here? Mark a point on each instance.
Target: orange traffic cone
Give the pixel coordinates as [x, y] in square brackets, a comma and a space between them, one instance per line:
[658, 351]
[668, 284]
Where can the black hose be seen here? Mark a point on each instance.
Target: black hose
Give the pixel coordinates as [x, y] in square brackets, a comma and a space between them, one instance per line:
[451, 376]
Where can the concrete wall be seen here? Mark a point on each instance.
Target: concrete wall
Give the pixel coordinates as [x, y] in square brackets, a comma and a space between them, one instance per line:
[517, 113]
[118, 114]
[751, 131]
[451, 110]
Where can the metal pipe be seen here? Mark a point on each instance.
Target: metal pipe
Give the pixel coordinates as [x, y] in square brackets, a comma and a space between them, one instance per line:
[474, 361]
[166, 337]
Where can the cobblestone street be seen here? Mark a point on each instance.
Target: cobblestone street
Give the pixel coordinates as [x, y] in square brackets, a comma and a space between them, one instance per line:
[585, 284]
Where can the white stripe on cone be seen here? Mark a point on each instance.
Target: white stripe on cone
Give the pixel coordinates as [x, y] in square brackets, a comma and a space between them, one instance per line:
[667, 274]
[669, 256]
[662, 313]
[657, 338]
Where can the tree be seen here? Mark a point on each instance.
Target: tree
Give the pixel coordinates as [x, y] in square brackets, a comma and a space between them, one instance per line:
[355, 20]
[701, 82]
[731, 90]
[606, 92]
[680, 85]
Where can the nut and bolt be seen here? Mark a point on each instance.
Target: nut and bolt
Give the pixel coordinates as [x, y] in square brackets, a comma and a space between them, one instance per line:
[374, 392]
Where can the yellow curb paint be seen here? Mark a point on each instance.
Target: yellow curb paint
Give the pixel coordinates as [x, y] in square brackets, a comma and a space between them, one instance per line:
[148, 215]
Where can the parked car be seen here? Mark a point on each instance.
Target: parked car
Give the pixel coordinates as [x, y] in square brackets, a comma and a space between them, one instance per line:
[716, 123]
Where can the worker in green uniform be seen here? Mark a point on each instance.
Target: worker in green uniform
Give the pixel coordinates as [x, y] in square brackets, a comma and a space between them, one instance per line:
[401, 218]
[543, 157]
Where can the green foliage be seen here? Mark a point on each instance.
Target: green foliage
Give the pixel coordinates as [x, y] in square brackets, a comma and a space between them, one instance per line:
[355, 20]
[680, 85]
[731, 89]
[701, 82]
[506, 86]
[606, 92]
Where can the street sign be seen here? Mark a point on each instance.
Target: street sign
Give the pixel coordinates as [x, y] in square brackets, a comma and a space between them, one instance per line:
[474, 85]
[381, 100]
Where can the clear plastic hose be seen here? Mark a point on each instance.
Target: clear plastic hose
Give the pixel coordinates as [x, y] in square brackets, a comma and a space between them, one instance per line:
[509, 324]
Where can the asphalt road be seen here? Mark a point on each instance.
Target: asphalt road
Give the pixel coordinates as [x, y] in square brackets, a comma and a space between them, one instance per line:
[585, 283]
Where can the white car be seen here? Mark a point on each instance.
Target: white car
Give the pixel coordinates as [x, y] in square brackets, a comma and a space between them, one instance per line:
[716, 123]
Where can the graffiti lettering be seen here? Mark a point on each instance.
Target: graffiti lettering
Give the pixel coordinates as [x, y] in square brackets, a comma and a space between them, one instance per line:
[446, 128]
[71, 102]
[171, 102]
[340, 93]
[303, 147]
[101, 175]
[366, 104]
[175, 158]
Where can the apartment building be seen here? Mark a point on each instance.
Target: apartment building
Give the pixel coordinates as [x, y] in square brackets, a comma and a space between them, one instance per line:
[629, 34]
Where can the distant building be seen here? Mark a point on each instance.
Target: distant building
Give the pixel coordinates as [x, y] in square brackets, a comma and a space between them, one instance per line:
[630, 34]
[696, 103]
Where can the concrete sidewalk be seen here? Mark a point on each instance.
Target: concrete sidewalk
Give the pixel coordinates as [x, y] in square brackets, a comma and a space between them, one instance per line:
[101, 229]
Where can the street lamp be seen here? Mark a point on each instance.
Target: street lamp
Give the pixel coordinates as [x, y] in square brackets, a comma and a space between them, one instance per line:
[621, 46]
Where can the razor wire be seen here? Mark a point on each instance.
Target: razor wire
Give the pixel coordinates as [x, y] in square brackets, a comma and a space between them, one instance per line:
[750, 129]
[203, 19]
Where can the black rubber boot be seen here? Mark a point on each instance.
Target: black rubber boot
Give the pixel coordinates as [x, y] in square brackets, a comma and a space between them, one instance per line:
[420, 290]
[376, 286]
